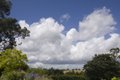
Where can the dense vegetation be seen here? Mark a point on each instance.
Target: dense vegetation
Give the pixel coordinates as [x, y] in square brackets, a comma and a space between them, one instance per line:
[13, 66]
[104, 66]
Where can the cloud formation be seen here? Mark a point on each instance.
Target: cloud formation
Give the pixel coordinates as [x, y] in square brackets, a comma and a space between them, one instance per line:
[98, 23]
[49, 47]
[65, 17]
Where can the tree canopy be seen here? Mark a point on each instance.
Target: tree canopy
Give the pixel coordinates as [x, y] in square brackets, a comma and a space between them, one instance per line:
[9, 27]
[12, 61]
[9, 31]
[103, 66]
[5, 6]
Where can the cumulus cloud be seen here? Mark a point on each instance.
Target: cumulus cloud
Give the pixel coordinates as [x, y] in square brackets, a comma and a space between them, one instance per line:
[85, 50]
[48, 46]
[99, 23]
[64, 17]
[46, 42]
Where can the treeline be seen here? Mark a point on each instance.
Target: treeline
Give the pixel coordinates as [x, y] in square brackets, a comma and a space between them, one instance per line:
[104, 66]
[13, 66]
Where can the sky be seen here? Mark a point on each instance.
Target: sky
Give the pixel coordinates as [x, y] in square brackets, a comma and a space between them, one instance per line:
[67, 33]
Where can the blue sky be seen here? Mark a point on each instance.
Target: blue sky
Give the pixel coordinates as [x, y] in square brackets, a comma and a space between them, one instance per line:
[67, 33]
[33, 10]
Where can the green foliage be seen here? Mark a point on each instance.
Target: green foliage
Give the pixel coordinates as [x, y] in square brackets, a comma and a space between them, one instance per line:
[54, 72]
[42, 78]
[36, 77]
[115, 50]
[57, 74]
[37, 74]
[12, 60]
[39, 71]
[114, 78]
[9, 31]
[102, 66]
[13, 75]
[9, 28]
[67, 77]
[5, 6]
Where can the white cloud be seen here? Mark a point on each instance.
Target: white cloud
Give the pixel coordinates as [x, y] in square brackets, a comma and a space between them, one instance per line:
[98, 23]
[23, 24]
[65, 17]
[47, 46]
[46, 42]
[72, 34]
[85, 50]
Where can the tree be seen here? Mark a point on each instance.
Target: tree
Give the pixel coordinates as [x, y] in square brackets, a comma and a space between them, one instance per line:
[114, 78]
[9, 31]
[13, 75]
[12, 59]
[12, 63]
[114, 52]
[9, 28]
[5, 6]
[103, 66]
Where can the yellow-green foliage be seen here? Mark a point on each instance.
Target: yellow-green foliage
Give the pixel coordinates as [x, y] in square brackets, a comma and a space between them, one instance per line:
[12, 64]
[12, 59]
[114, 78]
[13, 75]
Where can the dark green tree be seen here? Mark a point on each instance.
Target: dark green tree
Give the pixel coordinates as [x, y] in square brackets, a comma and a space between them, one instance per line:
[114, 52]
[5, 6]
[103, 66]
[9, 28]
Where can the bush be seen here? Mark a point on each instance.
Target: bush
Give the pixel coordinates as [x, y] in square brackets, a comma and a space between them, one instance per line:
[13, 75]
[114, 78]
[64, 77]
